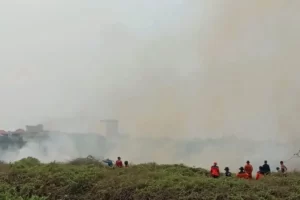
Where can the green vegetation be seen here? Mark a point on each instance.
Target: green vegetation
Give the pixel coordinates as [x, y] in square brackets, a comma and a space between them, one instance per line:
[28, 179]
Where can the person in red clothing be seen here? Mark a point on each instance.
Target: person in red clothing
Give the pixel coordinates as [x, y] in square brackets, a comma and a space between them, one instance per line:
[119, 162]
[214, 171]
[260, 173]
[249, 169]
[242, 174]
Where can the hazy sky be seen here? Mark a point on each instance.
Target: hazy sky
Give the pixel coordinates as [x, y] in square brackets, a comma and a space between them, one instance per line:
[173, 67]
[56, 54]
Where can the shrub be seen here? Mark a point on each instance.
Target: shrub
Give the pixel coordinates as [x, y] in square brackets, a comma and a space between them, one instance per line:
[28, 179]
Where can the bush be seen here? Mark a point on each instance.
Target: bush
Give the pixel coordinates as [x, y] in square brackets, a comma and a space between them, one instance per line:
[86, 161]
[28, 179]
[27, 162]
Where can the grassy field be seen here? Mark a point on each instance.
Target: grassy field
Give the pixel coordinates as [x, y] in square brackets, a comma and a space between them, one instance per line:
[87, 179]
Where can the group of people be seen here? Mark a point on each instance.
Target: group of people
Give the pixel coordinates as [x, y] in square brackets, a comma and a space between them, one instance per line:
[244, 173]
[247, 171]
[118, 163]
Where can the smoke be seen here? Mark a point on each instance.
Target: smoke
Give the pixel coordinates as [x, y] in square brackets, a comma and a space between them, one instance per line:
[231, 78]
[177, 69]
[58, 146]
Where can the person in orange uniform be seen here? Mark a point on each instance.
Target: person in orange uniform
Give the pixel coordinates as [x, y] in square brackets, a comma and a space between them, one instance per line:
[249, 169]
[242, 173]
[260, 173]
[119, 162]
[214, 171]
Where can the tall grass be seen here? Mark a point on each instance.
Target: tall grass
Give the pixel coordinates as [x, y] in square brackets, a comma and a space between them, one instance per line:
[88, 179]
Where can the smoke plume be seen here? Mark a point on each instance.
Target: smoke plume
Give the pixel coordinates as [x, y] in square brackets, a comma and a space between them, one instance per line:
[175, 69]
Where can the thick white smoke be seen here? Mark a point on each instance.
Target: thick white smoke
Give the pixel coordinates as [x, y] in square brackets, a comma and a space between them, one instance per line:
[178, 69]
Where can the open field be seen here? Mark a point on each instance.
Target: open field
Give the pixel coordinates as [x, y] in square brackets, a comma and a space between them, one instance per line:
[87, 179]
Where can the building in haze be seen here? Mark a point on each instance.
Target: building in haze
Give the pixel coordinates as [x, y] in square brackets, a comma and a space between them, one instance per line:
[35, 129]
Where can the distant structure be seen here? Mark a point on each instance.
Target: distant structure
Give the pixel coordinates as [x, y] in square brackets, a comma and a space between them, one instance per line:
[111, 127]
[19, 131]
[35, 129]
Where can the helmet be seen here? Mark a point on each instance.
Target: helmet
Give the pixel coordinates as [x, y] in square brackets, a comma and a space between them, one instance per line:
[241, 168]
[226, 168]
[215, 163]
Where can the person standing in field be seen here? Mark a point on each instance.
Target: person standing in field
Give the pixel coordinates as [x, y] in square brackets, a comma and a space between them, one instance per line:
[214, 171]
[283, 168]
[266, 168]
[119, 162]
[249, 169]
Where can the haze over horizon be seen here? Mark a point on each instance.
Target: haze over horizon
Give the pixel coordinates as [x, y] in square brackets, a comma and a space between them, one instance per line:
[162, 68]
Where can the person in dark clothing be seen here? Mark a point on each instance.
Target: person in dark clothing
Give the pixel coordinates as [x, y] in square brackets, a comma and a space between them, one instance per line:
[278, 169]
[227, 172]
[266, 168]
[126, 163]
